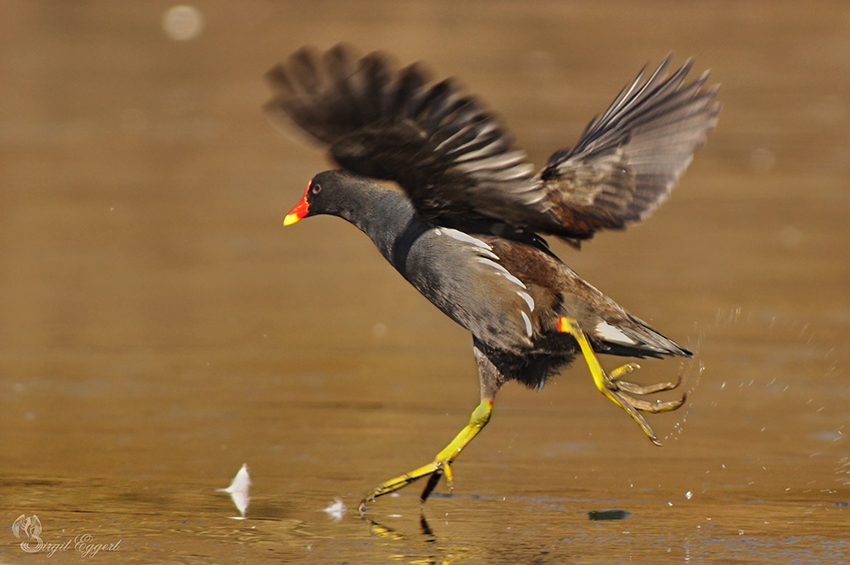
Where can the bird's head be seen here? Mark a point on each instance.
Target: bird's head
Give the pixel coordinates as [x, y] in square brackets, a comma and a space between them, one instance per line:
[335, 192]
[318, 198]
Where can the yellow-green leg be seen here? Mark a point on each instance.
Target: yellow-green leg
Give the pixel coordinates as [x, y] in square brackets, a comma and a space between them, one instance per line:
[441, 465]
[612, 385]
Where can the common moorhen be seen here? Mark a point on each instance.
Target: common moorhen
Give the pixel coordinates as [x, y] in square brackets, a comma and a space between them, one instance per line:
[466, 232]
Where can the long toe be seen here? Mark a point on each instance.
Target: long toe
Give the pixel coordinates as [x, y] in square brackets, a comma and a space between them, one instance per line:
[441, 465]
[642, 390]
[656, 407]
[617, 389]
[627, 403]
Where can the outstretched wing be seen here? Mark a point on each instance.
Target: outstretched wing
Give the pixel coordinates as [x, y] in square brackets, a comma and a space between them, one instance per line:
[456, 163]
[450, 156]
[628, 161]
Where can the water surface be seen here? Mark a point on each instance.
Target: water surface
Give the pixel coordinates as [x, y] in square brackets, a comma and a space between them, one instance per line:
[159, 327]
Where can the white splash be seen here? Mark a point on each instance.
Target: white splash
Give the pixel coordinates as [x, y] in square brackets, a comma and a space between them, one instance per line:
[336, 510]
[238, 491]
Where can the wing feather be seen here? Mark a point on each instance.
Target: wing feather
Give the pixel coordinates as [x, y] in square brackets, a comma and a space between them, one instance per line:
[451, 156]
[457, 164]
[628, 161]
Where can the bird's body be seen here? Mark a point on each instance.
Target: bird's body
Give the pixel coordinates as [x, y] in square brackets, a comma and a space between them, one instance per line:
[466, 231]
[508, 293]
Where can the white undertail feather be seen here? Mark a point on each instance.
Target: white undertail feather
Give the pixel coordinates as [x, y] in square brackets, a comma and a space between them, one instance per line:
[612, 334]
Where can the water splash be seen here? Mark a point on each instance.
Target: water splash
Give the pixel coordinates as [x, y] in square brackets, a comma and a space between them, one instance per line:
[238, 490]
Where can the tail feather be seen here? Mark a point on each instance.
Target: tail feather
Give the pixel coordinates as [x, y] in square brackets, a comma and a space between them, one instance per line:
[634, 338]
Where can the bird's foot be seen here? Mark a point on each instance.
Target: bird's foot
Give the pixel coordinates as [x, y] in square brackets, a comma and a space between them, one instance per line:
[618, 390]
[615, 388]
[441, 465]
[433, 471]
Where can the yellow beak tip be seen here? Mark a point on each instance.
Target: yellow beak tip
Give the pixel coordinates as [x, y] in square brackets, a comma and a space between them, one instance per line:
[290, 219]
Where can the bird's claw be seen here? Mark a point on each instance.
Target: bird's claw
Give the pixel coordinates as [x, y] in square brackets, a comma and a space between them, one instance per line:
[616, 388]
[615, 382]
[434, 471]
[441, 465]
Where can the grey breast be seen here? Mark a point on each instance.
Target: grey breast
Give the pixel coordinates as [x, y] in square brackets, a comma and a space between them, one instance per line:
[462, 276]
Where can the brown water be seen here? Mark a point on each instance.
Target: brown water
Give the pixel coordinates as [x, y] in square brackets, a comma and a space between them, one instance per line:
[158, 326]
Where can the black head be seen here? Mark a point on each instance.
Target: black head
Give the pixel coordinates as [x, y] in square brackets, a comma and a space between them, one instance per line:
[379, 212]
[327, 193]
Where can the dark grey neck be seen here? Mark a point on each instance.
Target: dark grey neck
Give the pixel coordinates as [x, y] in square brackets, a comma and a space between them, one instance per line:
[385, 215]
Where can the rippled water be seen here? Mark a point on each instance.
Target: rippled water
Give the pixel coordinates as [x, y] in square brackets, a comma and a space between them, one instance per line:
[159, 328]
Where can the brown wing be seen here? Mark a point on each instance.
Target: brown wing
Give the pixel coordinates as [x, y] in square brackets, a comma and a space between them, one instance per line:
[450, 156]
[455, 162]
[628, 161]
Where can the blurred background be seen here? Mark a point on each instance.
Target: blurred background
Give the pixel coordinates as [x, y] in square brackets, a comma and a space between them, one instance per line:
[159, 327]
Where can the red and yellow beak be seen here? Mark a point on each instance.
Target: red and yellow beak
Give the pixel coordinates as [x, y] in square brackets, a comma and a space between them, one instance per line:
[300, 210]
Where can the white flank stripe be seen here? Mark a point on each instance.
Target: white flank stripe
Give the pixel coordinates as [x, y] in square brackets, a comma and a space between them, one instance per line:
[465, 237]
[502, 271]
[527, 323]
[513, 279]
[488, 253]
[493, 264]
[528, 299]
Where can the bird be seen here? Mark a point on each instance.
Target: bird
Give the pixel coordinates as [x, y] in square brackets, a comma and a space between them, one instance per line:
[467, 228]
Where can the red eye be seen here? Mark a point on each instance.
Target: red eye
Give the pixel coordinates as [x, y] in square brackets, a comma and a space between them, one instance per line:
[315, 188]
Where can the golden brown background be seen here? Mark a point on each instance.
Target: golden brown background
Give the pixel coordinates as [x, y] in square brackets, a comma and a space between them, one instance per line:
[159, 327]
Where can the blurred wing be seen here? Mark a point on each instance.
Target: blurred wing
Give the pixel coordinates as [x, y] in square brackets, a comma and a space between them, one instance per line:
[628, 161]
[450, 156]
